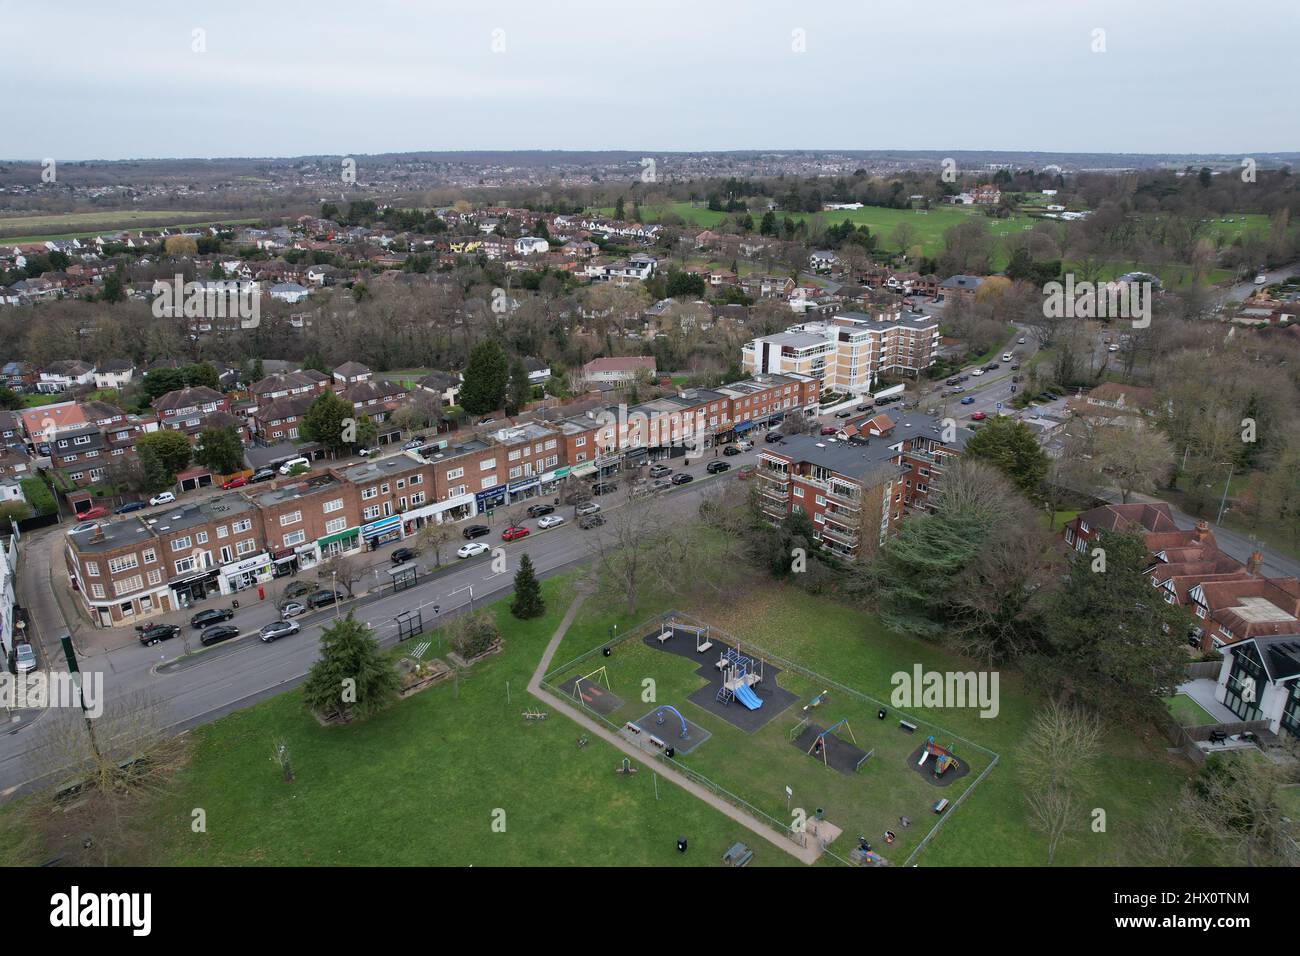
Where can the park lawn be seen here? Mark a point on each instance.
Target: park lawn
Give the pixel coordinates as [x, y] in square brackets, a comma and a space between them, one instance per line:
[991, 827]
[1188, 712]
[418, 784]
[66, 225]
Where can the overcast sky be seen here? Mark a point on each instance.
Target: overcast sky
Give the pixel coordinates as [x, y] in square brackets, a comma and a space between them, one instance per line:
[121, 79]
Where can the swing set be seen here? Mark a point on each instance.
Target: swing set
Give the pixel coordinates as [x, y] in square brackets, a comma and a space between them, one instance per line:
[598, 676]
[818, 746]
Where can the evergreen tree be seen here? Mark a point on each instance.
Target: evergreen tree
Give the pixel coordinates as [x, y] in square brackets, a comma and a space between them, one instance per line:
[162, 454]
[486, 376]
[325, 421]
[520, 390]
[353, 677]
[1010, 447]
[220, 450]
[528, 601]
[618, 209]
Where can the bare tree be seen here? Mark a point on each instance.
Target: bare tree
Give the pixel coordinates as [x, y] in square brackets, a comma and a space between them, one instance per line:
[636, 548]
[433, 537]
[342, 569]
[1056, 764]
[1236, 806]
[1133, 458]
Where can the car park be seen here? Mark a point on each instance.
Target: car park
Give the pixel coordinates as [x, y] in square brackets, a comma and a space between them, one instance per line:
[99, 511]
[237, 482]
[968, 400]
[550, 521]
[153, 633]
[130, 506]
[212, 615]
[658, 471]
[604, 487]
[262, 474]
[716, 467]
[591, 521]
[24, 658]
[731, 451]
[324, 596]
[473, 549]
[587, 508]
[292, 609]
[682, 478]
[215, 635]
[536, 511]
[165, 498]
[476, 531]
[278, 629]
[401, 555]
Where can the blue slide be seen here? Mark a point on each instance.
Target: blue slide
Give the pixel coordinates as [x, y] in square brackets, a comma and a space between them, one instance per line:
[747, 697]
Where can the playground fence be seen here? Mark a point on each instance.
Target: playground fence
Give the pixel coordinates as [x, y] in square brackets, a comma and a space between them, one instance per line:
[943, 818]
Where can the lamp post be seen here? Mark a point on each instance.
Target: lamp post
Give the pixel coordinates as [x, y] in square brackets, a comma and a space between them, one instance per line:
[334, 575]
[1224, 500]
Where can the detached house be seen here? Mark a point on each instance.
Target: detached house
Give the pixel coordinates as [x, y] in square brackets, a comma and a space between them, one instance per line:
[61, 376]
[187, 409]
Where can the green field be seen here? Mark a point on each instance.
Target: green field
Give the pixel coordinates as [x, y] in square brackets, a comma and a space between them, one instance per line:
[1188, 712]
[83, 225]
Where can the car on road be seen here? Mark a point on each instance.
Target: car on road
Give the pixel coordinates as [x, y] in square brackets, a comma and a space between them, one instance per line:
[476, 531]
[212, 615]
[773, 437]
[1021, 340]
[81, 526]
[324, 596]
[215, 635]
[165, 498]
[1007, 356]
[262, 474]
[237, 482]
[682, 478]
[536, 511]
[959, 389]
[979, 416]
[473, 549]
[130, 506]
[591, 521]
[278, 629]
[24, 658]
[514, 533]
[829, 430]
[978, 372]
[730, 451]
[153, 633]
[743, 445]
[587, 508]
[292, 609]
[844, 414]
[952, 381]
[992, 367]
[717, 467]
[604, 487]
[550, 521]
[658, 471]
[661, 484]
[1016, 367]
[968, 400]
[1261, 279]
[99, 511]
[401, 555]
[863, 408]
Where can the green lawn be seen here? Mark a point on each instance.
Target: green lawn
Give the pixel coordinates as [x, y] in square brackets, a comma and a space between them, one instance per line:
[91, 224]
[1188, 712]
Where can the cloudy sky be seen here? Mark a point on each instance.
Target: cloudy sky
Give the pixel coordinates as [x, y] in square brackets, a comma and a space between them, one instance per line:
[132, 78]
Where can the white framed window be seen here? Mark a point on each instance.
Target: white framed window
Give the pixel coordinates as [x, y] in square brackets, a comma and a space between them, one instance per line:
[417, 498]
[182, 544]
[488, 465]
[332, 506]
[247, 546]
[290, 517]
[335, 525]
[97, 590]
[125, 563]
[295, 537]
[244, 524]
[488, 482]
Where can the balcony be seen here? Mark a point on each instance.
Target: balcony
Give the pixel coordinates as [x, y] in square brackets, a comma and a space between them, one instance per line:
[830, 535]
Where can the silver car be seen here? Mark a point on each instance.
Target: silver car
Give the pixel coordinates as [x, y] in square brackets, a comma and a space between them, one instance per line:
[278, 629]
[25, 658]
[292, 609]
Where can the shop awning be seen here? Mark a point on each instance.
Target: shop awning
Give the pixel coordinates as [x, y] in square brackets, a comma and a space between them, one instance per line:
[743, 426]
[382, 527]
[581, 471]
[339, 536]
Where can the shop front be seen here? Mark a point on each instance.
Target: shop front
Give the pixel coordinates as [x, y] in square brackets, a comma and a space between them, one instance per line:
[194, 587]
[492, 498]
[284, 563]
[523, 489]
[378, 533]
[549, 483]
[339, 543]
[635, 458]
[607, 465]
[246, 573]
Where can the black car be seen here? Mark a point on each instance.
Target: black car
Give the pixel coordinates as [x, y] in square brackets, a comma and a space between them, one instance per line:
[714, 467]
[604, 487]
[476, 531]
[1015, 368]
[213, 615]
[324, 596]
[153, 633]
[536, 511]
[864, 408]
[130, 506]
[952, 381]
[402, 554]
[773, 437]
[590, 521]
[844, 414]
[215, 635]
[262, 474]
[298, 589]
[731, 450]
[682, 478]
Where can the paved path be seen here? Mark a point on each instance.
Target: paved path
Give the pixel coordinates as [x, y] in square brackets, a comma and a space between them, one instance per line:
[807, 854]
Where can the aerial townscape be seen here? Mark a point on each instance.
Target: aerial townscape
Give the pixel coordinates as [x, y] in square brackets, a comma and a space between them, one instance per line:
[532, 498]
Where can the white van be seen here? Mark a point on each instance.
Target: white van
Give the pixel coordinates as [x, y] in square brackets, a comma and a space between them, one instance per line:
[293, 463]
[1007, 356]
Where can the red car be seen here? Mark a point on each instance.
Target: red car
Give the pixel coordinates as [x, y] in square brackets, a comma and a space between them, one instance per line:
[978, 416]
[511, 534]
[237, 482]
[99, 511]
[829, 429]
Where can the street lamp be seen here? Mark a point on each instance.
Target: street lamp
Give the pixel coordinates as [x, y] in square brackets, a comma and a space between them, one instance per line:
[334, 588]
[1224, 500]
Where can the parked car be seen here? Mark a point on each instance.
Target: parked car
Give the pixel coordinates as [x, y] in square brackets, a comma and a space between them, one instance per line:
[978, 372]
[978, 416]
[292, 609]
[212, 615]
[401, 555]
[952, 381]
[413, 444]
[716, 467]
[587, 508]
[968, 400]
[773, 437]
[742, 445]
[367, 452]
[298, 589]
[237, 482]
[153, 633]
[844, 414]
[829, 430]
[262, 474]
[514, 533]
[324, 596]
[476, 531]
[604, 487]
[682, 478]
[472, 549]
[99, 511]
[550, 521]
[1261, 279]
[536, 511]
[730, 451]
[130, 506]
[278, 629]
[590, 521]
[24, 658]
[165, 498]
[863, 408]
[293, 463]
[215, 635]
[1021, 340]
[658, 471]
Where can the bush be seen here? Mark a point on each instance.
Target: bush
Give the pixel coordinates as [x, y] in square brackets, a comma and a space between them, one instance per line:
[474, 634]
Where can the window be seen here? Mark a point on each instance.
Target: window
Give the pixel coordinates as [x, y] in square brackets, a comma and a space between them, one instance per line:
[290, 517]
[332, 506]
[516, 471]
[417, 498]
[419, 479]
[488, 465]
[248, 546]
[201, 537]
[227, 555]
[580, 441]
[223, 532]
[185, 565]
[796, 491]
[97, 590]
[295, 537]
[245, 524]
[124, 563]
[182, 544]
[371, 513]
[335, 525]
[127, 585]
[368, 493]
[457, 491]
[489, 482]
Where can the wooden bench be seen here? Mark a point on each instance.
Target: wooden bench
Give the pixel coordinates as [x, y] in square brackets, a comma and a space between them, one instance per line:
[904, 725]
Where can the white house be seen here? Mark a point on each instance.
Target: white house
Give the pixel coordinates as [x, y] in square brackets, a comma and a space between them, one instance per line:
[530, 245]
[61, 376]
[289, 292]
[1260, 680]
[115, 373]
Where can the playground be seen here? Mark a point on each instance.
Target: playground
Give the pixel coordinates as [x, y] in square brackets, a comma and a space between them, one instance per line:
[787, 744]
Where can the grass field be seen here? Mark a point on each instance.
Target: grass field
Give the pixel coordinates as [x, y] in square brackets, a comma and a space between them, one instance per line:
[1188, 712]
[83, 225]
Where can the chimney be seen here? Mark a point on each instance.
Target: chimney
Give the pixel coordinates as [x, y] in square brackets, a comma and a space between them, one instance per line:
[1253, 563]
[1202, 531]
